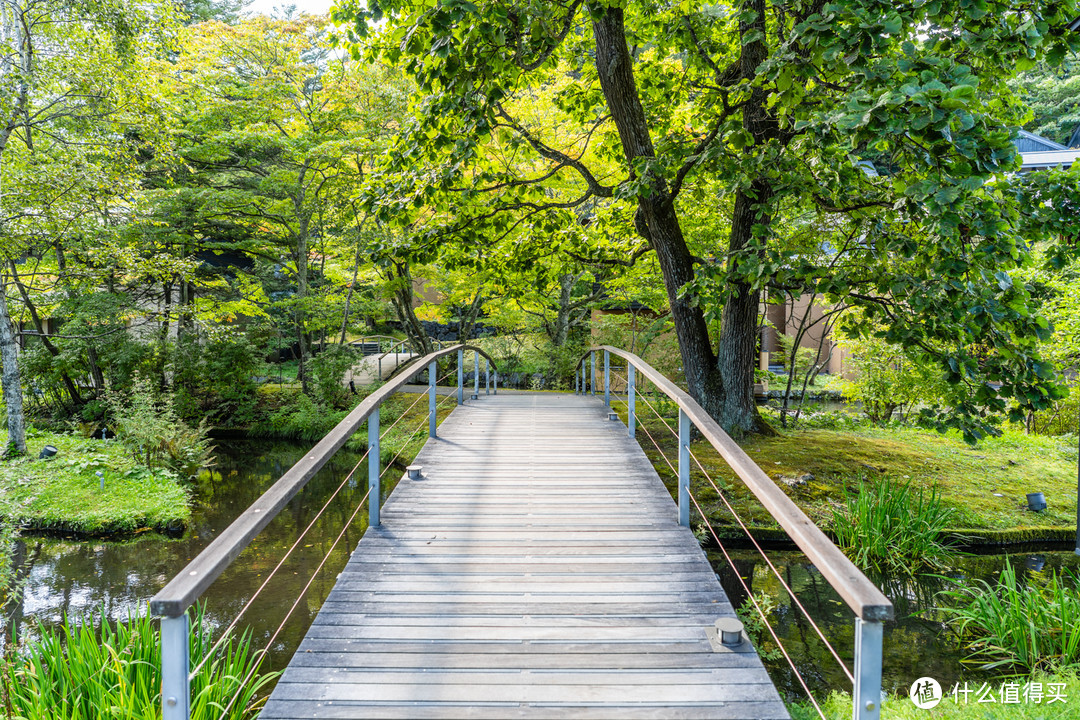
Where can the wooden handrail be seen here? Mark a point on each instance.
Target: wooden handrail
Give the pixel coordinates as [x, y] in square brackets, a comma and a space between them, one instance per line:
[184, 589]
[861, 595]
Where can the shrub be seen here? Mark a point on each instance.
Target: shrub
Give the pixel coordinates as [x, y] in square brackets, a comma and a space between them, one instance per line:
[216, 380]
[893, 528]
[328, 370]
[155, 436]
[77, 672]
[1027, 627]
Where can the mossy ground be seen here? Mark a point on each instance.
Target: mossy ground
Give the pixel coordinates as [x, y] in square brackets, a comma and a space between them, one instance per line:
[986, 485]
[63, 494]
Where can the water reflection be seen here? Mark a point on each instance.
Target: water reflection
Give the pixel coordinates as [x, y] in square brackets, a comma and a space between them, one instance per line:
[917, 642]
[116, 579]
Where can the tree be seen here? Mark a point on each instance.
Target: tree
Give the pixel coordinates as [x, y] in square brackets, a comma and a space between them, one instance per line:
[777, 106]
[66, 86]
[274, 135]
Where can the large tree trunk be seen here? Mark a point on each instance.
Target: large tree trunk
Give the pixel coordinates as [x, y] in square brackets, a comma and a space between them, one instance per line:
[13, 398]
[738, 355]
[657, 219]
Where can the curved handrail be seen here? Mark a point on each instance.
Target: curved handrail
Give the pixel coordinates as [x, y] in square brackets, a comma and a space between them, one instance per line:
[861, 595]
[184, 589]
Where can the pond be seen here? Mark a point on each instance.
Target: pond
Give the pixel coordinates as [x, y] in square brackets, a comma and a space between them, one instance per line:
[118, 579]
[917, 643]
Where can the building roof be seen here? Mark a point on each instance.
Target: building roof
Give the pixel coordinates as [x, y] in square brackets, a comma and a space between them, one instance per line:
[1048, 159]
[1030, 142]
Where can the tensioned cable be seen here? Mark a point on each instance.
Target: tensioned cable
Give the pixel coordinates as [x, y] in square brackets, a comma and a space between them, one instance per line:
[247, 606]
[791, 593]
[761, 613]
[776, 572]
[262, 653]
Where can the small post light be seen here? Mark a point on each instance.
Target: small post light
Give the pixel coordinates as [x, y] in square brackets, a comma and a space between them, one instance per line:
[1036, 501]
[730, 631]
[416, 472]
[612, 415]
[101, 478]
[47, 452]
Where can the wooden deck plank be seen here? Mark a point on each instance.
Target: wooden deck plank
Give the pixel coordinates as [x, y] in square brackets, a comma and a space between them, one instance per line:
[536, 571]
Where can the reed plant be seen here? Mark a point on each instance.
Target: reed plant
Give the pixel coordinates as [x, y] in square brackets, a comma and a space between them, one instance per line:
[893, 528]
[1023, 626]
[80, 672]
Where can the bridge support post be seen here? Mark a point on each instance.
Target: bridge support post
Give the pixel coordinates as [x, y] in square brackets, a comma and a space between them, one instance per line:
[631, 382]
[373, 465]
[684, 468]
[487, 377]
[431, 399]
[495, 383]
[175, 687]
[592, 375]
[577, 391]
[476, 375]
[607, 378]
[868, 656]
[460, 377]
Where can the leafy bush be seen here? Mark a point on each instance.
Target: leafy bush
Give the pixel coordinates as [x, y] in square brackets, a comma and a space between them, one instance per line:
[328, 370]
[887, 379]
[215, 381]
[77, 672]
[893, 528]
[155, 436]
[1028, 627]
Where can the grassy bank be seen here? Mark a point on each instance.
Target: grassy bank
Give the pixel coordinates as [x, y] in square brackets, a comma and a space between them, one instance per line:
[63, 494]
[838, 705]
[986, 485]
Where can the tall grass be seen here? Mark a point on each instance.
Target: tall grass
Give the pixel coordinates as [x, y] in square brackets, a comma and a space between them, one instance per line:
[892, 528]
[79, 673]
[1021, 626]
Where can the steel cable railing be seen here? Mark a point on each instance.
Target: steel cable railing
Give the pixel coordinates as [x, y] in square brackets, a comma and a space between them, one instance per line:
[752, 539]
[750, 596]
[870, 606]
[174, 600]
[247, 606]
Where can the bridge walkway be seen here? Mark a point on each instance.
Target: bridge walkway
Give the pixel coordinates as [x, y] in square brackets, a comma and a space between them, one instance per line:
[536, 570]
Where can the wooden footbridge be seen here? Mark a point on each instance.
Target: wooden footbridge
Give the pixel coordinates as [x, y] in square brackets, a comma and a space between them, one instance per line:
[534, 566]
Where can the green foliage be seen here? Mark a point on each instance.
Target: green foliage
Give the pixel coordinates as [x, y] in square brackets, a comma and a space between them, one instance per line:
[296, 416]
[755, 626]
[887, 378]
[328, 370]
[79, 673]
[214, 381]
[1022, 626]
[892, 527]
[154, 435]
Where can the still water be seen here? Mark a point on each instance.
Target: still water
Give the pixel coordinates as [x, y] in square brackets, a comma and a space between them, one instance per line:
[917, 643]
[117, 579]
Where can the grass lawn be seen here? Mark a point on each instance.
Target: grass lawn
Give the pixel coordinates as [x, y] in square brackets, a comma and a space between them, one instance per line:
[986, 484]
[62, 494]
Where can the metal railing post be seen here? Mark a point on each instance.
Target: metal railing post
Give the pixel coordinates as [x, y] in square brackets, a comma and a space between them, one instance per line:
[631, 420]
[431, 398]
[476, 376]
[868, 655]
[175, 665]
[577, 387]
[487, 377]
[592, 376]
[607, 378]
[460, 377]
[373, 468]
[684, 468]
[380, 368]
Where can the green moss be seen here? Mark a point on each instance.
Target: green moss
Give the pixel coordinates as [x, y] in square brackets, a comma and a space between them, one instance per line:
[986, 485]
[63, 494]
